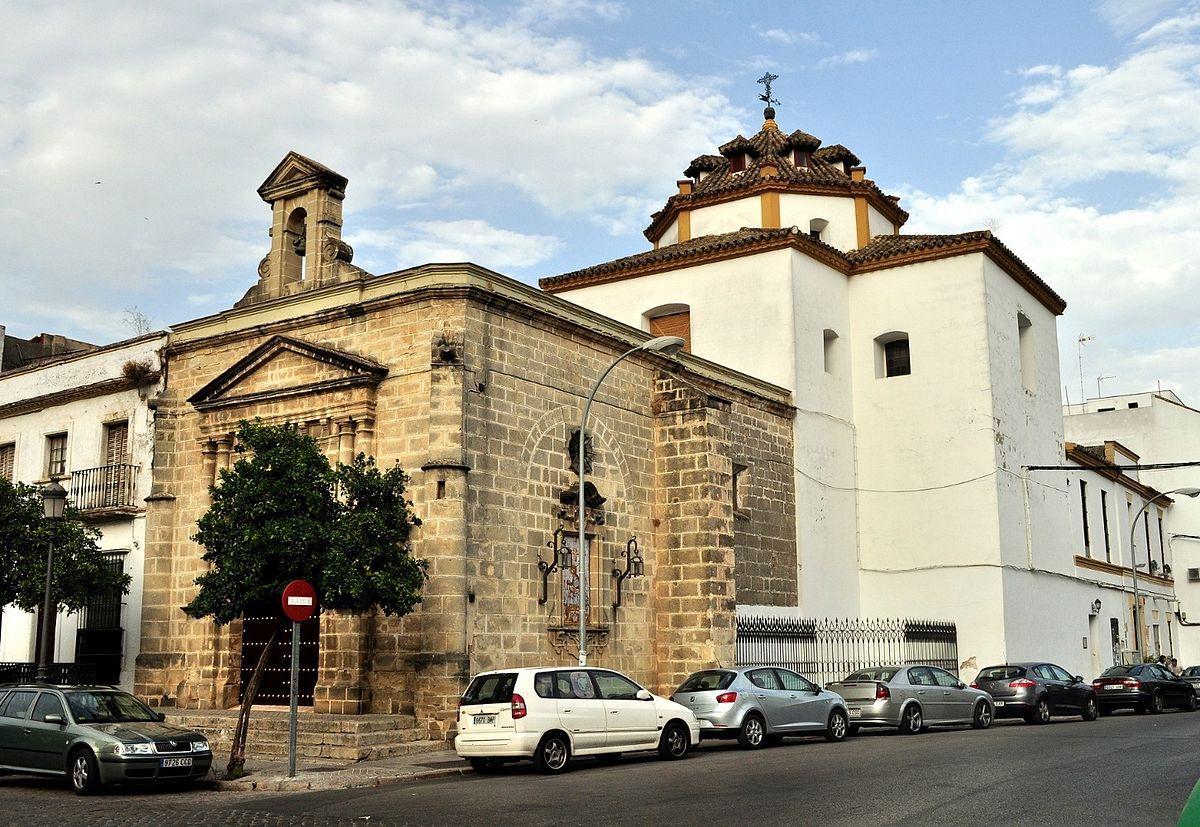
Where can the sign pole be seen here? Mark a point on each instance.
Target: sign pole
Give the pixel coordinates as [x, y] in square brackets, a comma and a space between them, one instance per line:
[293, 702]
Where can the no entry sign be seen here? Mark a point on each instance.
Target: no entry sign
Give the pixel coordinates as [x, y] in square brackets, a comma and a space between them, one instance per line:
[299, 600]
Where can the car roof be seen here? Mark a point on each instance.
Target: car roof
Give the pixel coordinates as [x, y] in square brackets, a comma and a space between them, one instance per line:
[61, 687]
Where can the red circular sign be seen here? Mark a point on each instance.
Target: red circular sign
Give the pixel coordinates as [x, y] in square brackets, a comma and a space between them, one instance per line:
[299, 600]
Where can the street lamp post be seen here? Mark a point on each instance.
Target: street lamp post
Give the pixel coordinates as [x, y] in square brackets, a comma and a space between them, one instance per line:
[1137, 613]
[667, 345]
[54, 501]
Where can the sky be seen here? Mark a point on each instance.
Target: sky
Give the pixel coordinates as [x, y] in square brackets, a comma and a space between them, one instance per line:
[535, 138]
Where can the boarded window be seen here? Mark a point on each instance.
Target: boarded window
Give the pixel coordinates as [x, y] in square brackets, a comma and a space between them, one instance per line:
[8, 456]
[674, 324]
[737, 163]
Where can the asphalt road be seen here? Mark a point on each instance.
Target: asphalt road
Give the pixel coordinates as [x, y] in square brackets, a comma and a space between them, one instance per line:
[1128, 769]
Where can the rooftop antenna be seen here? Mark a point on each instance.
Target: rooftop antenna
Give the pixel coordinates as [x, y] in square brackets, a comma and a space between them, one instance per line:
[766, 80]
[1082, 392]
[1100, 379]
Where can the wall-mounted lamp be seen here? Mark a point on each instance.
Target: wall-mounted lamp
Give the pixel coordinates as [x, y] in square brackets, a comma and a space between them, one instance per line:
[635, 566]
[560, 559]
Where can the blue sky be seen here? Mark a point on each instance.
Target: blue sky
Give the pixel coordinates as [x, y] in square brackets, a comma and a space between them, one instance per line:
[535, 138]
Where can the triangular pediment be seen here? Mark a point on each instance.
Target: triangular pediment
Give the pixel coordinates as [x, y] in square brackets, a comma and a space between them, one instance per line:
[284, 366]
[297, 173]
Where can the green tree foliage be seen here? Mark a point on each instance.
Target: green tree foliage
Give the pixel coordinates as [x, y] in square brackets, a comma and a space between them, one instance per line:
[79, 567]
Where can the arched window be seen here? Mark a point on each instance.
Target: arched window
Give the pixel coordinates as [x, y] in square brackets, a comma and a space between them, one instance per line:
[295, 237]
[831, 349]
[892, 356]
[1028, 357]
[671, 320]
[816, 228]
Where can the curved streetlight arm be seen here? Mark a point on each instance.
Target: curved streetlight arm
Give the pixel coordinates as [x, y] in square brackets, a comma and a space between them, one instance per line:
[582, 561]
[1137, 613]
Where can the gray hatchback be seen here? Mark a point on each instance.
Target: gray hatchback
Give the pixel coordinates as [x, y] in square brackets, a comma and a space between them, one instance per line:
[912, 697]
[760, 705]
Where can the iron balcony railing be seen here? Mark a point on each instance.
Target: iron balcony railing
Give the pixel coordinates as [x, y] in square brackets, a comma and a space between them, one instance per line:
[109, 486]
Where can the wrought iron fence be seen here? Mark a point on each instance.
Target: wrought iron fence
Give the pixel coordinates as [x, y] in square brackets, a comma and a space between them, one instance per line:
[65, 673]
[828, 649]
[109, 486]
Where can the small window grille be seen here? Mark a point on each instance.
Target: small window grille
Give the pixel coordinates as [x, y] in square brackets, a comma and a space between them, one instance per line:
[1194, 575]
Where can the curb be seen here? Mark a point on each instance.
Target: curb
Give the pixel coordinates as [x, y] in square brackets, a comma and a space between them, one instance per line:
[284, 784]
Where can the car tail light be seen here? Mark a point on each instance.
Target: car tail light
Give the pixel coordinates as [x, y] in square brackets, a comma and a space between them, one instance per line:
[882, 693]
[518, 707]
[1021, 683]
[727, 697]
[974, 684]
[1132, 683]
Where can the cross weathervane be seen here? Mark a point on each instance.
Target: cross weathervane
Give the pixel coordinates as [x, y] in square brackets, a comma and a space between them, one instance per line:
[766, 80]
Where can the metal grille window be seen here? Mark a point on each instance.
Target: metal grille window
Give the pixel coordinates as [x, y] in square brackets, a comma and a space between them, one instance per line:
[1104, 519]
[100, 639]
[8, 455]
[56, 455]
[896, 358]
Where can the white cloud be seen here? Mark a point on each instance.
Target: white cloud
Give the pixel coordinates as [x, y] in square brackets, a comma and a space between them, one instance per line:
[421, 107]
[1124, 16]
[787, 37]
[1128, 271]
[456, 241]
[852, 56]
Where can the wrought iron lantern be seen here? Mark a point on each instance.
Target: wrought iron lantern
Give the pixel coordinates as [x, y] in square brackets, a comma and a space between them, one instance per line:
[635, 566]
[560, 560]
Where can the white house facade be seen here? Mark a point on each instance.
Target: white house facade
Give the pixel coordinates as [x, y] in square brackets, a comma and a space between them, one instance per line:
[1163, 430]
[925, 373]
[84, 416]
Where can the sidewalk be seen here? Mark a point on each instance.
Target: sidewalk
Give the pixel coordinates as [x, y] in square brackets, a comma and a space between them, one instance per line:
[323, 774]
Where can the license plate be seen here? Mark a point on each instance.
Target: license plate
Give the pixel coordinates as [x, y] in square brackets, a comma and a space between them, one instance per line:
[1114, 686]
[855, 713]
[176, 762]
[485, 720]
[997, 703]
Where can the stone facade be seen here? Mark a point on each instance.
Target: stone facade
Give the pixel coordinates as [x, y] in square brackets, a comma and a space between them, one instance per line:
[474, 384]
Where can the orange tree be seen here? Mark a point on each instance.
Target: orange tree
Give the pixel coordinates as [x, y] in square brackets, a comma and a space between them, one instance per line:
[283, 513]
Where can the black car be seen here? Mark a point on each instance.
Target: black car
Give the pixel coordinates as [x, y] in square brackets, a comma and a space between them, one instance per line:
[1192, 676]
[1035, 691]
[1146, 687]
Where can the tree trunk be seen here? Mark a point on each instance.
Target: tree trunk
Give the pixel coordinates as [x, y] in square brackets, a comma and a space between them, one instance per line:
[237, 752]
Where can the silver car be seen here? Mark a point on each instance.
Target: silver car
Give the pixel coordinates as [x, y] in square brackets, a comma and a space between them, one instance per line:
[912, 697]
[761, 704]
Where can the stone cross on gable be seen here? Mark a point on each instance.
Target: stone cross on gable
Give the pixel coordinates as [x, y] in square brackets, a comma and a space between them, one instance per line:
[766, 80]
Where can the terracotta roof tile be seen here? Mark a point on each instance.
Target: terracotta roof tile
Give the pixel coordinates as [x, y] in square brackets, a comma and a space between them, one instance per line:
[836, 152]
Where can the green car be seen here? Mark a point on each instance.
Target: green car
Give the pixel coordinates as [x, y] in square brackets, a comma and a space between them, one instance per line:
[94, 735]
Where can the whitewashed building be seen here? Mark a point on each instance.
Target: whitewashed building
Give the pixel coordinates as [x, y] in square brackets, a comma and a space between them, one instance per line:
[1163, 430]
[925, 371]
[84, 416]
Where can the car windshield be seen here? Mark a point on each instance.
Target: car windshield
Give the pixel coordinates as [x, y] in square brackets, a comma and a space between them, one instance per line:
[107, 708]
[1192, 672]
[491, 689]
[881, 675]
[1001, 673]
[707, 681]
[1117, 670]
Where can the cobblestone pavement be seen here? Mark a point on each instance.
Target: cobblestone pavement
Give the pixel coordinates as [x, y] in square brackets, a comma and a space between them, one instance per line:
[1131, 769]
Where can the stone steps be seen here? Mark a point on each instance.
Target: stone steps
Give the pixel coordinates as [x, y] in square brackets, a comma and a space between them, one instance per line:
[341, 737]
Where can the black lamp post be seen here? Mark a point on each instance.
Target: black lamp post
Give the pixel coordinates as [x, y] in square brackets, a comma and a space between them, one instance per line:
[54, 501]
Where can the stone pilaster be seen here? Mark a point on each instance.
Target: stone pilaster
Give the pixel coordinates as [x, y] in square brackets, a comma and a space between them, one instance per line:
[342, 685]
[694, 568]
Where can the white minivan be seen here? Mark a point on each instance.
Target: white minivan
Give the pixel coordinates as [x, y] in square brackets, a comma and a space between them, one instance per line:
[553, 713]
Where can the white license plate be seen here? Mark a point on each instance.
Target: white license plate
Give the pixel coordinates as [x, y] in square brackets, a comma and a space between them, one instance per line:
[485, 720]
[997, 703]
[855, 713]
[176, 762]
[1114, 686]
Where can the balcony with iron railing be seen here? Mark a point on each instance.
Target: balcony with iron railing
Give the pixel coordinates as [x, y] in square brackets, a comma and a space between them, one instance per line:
[107, 489]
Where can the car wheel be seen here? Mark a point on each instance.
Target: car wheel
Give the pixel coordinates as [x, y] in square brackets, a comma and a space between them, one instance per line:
[553, 754]
[485, 765]
[1090, 709]
[84, 773]
[675, 742]
[1156, 702]
[983, 715]
[1190, 703]
[838, 726]
[752, 732]
[1040, 715]
[911, 721]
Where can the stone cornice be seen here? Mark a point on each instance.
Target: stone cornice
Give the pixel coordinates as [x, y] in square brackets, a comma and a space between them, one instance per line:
[95, 389]
[1093, 463]
[1121, 571]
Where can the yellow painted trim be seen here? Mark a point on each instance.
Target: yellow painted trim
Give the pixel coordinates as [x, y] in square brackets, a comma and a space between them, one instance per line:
[685, 225]
[770, 210]
[862, 222]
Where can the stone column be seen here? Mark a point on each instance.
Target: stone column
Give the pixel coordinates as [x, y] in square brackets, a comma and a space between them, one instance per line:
[345, 437]
[695, 614]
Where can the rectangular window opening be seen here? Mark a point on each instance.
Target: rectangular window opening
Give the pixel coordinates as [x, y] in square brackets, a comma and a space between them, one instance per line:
[56, 455]
[896, 359]
[674, 324]
[1087, 536]
[830, 352]
[1104, 519]
[8, 461]
[740, 478]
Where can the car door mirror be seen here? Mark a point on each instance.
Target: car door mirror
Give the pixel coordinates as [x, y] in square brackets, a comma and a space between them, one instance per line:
[53, 719]
[1078, 679]
[960, 685]
[160, 716]
[644, 695]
